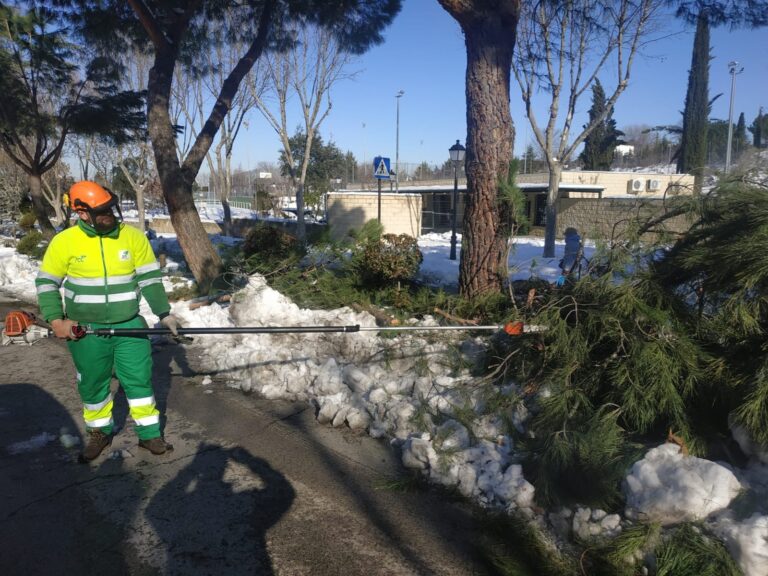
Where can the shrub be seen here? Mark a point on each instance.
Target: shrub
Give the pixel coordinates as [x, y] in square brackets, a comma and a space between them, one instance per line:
[393, 258]
[31, 245]
[265, 240]
[27, 220]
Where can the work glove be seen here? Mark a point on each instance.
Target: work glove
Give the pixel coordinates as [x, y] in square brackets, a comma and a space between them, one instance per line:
[64, 329]
[173, 323]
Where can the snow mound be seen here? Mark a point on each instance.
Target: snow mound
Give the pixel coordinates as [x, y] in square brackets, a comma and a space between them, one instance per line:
[17, 274]
[747, 541]
[591, 524]
[669, 487]
[747, 444]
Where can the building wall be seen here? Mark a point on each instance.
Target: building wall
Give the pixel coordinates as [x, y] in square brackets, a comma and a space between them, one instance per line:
[400, 213]
[616, 183]
[609, 218]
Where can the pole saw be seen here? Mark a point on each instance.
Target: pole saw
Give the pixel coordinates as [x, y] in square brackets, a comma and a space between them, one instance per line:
[22, 330]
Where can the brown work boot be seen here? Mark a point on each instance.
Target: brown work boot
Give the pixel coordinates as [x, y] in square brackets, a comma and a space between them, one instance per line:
[155, 445]
[97, 441]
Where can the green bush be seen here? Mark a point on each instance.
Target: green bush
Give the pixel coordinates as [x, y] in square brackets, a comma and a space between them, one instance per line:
[268, 241]
[30, 245]
[27, 220]
[393, 258]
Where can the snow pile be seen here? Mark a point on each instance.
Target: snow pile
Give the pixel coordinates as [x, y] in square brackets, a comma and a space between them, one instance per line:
[747, 444]
[482, 472]
[17, 274]
[746, 540]
[364, 381]
[589, 524]
[669, 487]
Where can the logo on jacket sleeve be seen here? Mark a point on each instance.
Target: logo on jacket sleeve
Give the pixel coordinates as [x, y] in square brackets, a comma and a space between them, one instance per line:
[124, 255]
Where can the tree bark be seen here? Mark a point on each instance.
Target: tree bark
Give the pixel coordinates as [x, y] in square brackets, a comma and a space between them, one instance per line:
[203, 260]
[553, 193]
[39, 205]
[139, 190]
[489, 32]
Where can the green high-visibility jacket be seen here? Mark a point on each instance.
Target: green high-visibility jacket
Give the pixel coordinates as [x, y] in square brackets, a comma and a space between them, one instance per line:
[103, 275]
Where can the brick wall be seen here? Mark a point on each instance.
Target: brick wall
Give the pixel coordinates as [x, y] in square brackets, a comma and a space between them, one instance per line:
[400, 213]
[609, 217]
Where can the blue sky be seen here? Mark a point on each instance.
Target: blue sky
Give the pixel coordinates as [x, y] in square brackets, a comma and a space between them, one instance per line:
[424, 55]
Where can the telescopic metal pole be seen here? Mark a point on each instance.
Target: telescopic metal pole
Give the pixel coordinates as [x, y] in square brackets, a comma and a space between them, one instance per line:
[513, 328]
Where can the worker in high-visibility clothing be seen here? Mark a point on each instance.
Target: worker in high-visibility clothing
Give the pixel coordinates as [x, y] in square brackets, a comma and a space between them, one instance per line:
[105, 267]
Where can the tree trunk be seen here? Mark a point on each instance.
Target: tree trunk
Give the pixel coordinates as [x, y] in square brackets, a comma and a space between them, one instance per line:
[553, 193]
[301, 229]
[489, 32]
[139, 191]
[226, 225]
[39, 205]
[203, 260]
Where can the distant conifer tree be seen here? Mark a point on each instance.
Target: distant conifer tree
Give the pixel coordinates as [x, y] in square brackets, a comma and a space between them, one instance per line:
[758, 128]
[602, 141]
[693, 145]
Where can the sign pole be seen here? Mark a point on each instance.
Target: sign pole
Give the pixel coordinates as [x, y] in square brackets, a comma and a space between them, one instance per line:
[380, 172]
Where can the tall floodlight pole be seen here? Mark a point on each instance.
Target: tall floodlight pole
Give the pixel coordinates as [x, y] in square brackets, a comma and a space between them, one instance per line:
[397, 142]
[457, 152]
[733, 68]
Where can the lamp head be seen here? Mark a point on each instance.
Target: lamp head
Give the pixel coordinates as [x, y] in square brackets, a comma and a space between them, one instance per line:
[457, 152]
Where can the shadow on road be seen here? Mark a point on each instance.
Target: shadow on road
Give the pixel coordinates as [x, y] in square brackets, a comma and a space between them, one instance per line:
[214, 515]
[49, 525]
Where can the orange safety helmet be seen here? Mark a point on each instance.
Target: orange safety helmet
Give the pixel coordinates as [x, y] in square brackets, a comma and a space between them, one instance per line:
[87, 195]
[17, 322]
[92, 198]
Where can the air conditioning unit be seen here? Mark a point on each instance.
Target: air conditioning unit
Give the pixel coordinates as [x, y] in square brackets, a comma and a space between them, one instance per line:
[635, 186]
[654, 185]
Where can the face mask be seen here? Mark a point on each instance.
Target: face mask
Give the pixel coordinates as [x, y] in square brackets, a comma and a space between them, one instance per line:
[102, 220]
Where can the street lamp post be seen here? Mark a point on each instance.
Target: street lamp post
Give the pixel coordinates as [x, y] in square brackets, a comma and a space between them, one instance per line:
[397, 142]
[733, 68]
[457, 152]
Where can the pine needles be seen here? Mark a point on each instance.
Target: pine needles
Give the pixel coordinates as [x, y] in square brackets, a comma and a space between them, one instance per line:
[679, 343]
[690, 553]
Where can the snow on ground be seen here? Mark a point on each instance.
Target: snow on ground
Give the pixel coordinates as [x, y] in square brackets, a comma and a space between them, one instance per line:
[407, 387]
[702, 487]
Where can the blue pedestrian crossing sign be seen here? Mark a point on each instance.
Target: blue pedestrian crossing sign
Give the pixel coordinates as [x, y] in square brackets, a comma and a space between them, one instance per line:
[381, 168]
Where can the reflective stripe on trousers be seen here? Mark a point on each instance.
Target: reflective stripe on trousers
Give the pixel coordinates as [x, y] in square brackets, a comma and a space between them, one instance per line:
[96, 357]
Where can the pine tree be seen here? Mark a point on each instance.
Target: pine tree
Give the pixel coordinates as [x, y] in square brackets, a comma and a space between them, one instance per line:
[758, 128]
[721, 264]
[740, 136]
[599, 146]
[591, 156]
[693, 145]
[49, 88]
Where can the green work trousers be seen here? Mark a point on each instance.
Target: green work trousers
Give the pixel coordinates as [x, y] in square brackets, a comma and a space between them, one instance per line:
[130, 358]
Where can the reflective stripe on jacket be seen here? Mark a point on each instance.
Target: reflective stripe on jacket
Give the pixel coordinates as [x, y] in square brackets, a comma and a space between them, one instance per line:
[103, 275]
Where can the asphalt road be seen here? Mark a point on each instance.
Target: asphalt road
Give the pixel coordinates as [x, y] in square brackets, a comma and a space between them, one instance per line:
[252, 487]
